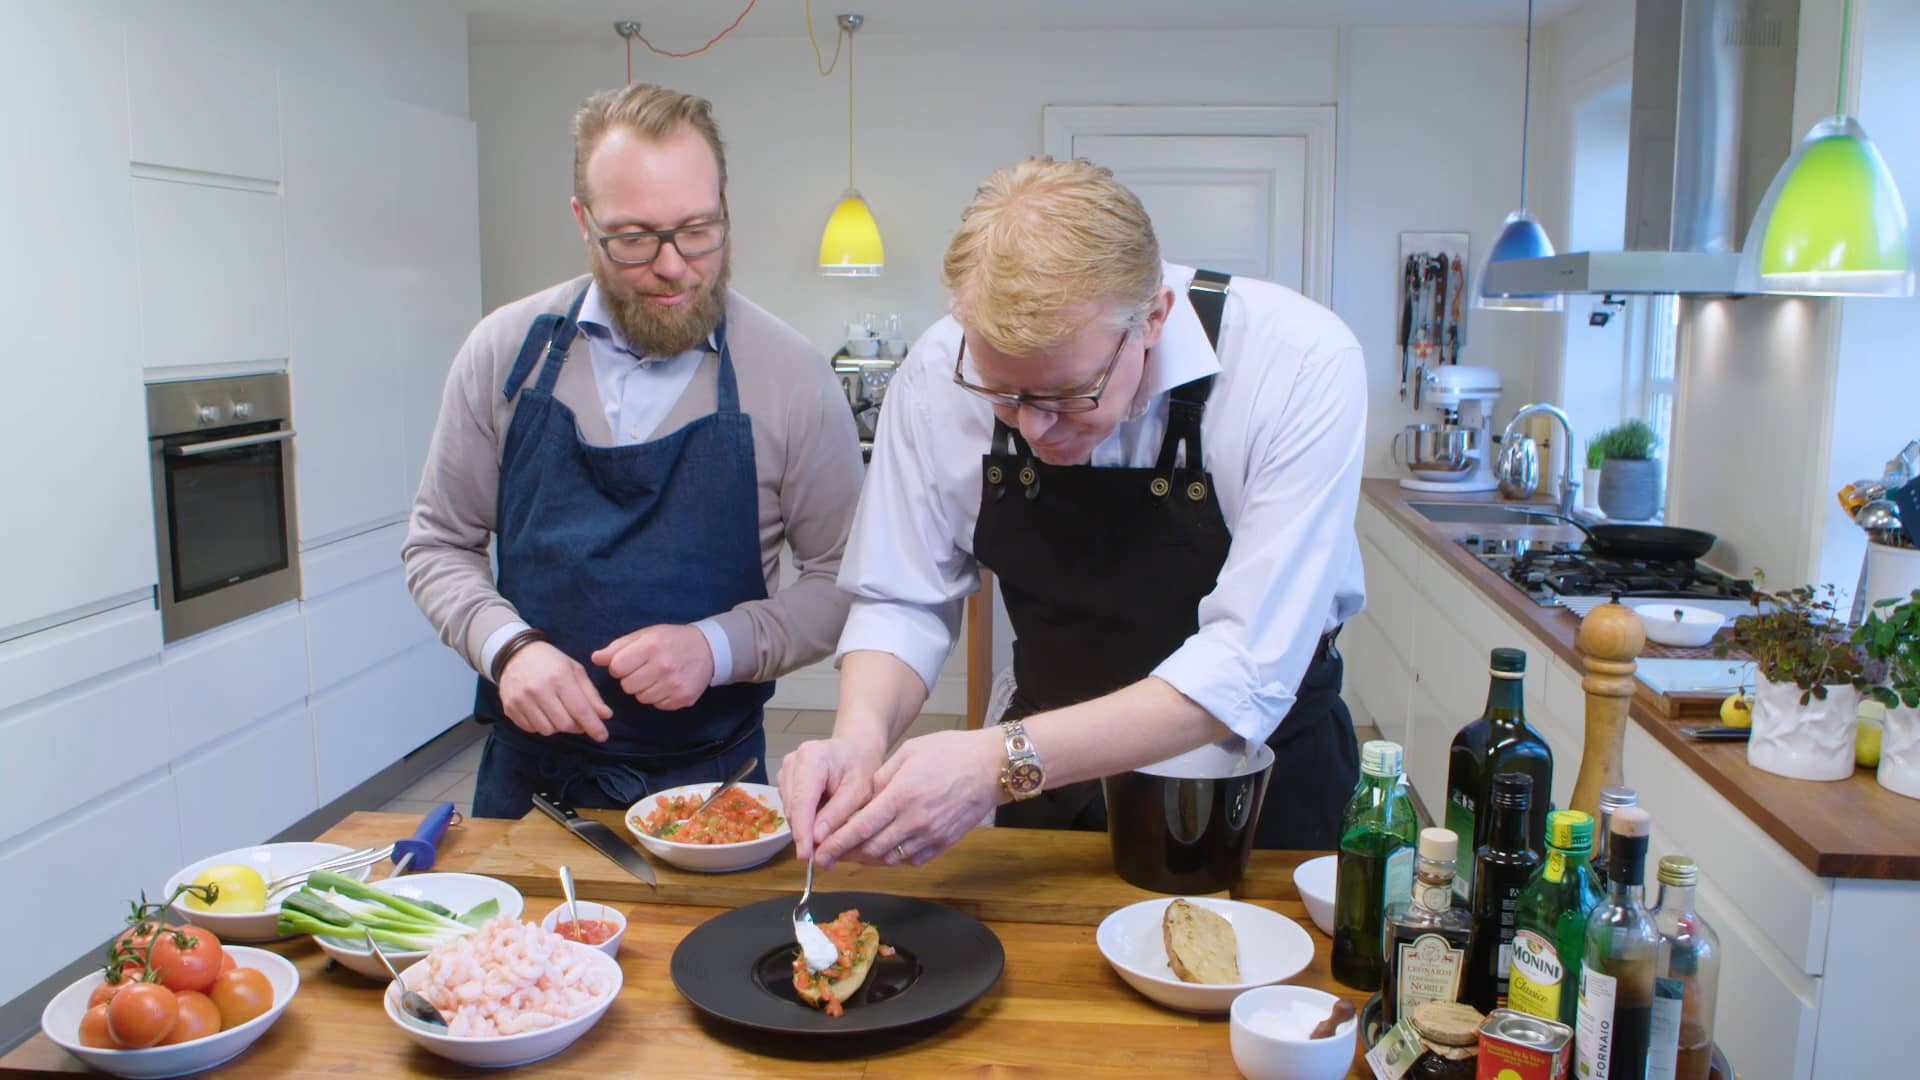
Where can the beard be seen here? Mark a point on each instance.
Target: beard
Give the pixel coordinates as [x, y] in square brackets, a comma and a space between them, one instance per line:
[657, 331]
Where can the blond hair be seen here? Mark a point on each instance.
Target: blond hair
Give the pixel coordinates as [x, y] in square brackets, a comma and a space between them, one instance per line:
[651, 112]
[1041, 240]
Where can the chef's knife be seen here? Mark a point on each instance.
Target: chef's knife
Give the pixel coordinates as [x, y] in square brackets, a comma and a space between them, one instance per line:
[598, 836]
[1410, 282]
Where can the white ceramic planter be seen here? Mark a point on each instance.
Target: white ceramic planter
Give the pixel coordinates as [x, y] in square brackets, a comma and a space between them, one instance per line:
[1590, 489]
[1900, 752]
[1807, 742]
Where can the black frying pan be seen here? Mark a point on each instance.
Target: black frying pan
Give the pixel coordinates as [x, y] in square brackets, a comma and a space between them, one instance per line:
[1659, 542]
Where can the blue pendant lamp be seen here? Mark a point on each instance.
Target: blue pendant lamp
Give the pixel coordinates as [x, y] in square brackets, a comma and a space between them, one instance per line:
[1521, 235]
[850, 244]
[1832, 222]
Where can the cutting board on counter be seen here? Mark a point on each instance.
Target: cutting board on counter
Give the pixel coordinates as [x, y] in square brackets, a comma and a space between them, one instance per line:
[1013, 875]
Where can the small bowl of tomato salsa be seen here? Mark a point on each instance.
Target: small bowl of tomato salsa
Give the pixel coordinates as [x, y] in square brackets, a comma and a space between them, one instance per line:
[600, 925]
[745, 826]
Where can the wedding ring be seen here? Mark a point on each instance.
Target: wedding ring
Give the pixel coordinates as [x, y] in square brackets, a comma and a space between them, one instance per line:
[900, 851]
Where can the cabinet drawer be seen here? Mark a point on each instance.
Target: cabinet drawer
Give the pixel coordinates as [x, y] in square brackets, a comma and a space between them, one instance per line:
[352, 629]
[245, 789]
[1390, 599]
[227, 304]
[384, 713]
[229, 678]
[118, 723]
[1375, 677]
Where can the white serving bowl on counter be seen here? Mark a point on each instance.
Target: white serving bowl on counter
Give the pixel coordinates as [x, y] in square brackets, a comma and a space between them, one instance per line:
[711, 858]
[1268, 1029]
[501, 1051]
[1679, 625]
[457, 892]
[60, 1020]
[1315, 879]
[589, 911]
[272, 861]
[1270, 947]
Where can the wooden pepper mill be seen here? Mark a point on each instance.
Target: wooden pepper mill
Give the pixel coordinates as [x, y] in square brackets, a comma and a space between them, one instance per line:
[1610, 638]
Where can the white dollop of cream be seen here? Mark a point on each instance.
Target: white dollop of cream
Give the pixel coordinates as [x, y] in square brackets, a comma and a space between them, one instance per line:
[814, 945]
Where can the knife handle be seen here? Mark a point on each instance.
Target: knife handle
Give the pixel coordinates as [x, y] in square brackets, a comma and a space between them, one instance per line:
[420, 847]
[552, 807]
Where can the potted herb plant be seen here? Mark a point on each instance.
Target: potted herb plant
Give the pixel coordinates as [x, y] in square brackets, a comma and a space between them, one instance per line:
[1629, 487]
[1807, 685]
[1891, 636]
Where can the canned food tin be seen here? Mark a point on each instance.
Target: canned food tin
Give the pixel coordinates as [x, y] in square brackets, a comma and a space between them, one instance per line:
[1514, 1044]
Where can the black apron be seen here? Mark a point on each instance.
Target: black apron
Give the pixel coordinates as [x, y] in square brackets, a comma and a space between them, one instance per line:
[1103, 570]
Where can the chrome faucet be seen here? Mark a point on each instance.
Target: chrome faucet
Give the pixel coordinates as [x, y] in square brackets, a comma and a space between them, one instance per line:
[1512, 454]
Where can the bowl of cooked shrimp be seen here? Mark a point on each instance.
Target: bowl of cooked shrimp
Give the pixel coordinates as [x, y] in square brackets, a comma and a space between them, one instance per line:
[744, 827]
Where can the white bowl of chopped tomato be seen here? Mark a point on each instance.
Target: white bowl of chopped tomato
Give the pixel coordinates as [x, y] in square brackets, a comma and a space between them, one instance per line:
[745, 826]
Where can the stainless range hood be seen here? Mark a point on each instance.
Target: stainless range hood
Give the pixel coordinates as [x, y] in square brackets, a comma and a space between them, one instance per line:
[1712, 122]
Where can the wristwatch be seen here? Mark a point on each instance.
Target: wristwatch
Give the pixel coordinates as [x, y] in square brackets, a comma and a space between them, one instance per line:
[1023, 775]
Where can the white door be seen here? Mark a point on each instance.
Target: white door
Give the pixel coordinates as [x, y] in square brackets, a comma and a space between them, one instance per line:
[1244, 190]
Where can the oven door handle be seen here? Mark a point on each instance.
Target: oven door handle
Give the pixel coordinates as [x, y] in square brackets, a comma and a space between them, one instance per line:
[217, 445]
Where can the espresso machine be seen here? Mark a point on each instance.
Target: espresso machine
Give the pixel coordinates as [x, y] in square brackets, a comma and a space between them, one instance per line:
[1455, 454]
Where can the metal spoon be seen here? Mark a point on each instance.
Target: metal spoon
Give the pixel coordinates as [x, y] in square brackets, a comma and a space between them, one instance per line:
[412, 1002]
[739, 774]
[566, 890]
[815, 947]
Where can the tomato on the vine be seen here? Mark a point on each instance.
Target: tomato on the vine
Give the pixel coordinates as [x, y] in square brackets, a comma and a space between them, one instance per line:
[93, 1029]
[187, 959]
[198, 1019]
[142, 1014]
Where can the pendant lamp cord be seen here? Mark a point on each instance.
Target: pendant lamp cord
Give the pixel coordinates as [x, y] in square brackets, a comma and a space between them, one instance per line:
[1840, 91]
[1526, 107]
[849, 34]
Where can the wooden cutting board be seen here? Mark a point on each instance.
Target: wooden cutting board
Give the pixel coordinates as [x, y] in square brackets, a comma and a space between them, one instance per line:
[1017, 875]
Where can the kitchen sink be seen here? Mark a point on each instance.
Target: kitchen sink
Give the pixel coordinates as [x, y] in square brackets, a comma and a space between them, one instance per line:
[1482, 514]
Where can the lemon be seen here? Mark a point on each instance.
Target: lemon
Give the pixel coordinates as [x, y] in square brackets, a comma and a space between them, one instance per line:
[1866, 737]
[1736, 711]
[241, 890]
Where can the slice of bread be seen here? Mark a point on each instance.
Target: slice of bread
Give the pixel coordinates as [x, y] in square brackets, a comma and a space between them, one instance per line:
[866, 948]
[1200, 944]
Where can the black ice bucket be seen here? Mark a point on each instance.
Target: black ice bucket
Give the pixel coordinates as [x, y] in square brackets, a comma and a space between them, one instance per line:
[1185, 825]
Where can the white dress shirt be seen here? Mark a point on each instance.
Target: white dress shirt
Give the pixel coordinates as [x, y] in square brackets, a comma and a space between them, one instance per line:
[637, 391]
[1282, 435]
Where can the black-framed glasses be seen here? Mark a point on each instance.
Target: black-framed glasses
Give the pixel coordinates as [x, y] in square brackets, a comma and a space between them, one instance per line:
[1053, 403]
[638, 247]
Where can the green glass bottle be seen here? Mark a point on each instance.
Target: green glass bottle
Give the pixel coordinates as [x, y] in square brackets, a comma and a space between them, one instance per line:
[1550, 922]
[1499, 741]
[1378, 830]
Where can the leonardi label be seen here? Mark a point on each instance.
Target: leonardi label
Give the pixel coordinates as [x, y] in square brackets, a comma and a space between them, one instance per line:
[1429, 971]
[1533, 986]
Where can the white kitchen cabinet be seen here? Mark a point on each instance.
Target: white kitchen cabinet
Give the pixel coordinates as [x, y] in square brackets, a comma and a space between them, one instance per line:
[385, 713]
[211, 276]
[243, 789]
[79, 531]
[66, 749]
[201, 93]
[227, 680]
[70, 880]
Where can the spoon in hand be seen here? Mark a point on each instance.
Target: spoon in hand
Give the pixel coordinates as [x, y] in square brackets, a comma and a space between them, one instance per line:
[739, 774]
[815, 946]
[412, 1002]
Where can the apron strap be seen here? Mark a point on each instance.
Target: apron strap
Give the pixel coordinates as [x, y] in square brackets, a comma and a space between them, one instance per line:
[1208, 295]
[551, 336]
[729, 395]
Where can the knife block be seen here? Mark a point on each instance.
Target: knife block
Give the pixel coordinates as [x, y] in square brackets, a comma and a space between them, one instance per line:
[1610, 639]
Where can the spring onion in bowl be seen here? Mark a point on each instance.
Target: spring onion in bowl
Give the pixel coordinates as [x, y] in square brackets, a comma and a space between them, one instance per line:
[338, 907]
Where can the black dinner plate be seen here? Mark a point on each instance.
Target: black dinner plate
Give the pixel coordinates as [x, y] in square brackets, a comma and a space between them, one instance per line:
[738, 965]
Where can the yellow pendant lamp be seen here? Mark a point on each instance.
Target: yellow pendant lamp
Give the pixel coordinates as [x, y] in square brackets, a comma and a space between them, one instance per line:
[1832, 222]
[850, 245]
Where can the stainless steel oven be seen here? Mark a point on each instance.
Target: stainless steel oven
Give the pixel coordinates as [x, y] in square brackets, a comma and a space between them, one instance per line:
[223, 508]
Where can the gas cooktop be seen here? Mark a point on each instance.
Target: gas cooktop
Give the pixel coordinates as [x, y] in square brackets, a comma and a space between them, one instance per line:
[1552, 571]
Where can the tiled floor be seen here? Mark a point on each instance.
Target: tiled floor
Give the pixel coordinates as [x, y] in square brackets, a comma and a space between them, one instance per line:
[786, 729]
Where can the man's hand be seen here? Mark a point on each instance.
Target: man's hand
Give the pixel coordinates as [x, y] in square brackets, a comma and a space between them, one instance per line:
[547, 692]
[926, 796]
[839, 770]
[665, 666]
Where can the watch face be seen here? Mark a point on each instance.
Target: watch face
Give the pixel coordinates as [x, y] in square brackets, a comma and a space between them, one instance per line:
[1025, 777]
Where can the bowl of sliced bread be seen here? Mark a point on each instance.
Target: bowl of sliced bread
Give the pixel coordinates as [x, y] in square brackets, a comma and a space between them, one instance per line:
[1198, 954]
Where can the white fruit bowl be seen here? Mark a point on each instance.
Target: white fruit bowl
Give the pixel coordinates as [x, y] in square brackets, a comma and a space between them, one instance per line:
[1315, 880]
[61, 1023]
[1271, 948]
[711, 858]
[1679, 625]
[272, 861]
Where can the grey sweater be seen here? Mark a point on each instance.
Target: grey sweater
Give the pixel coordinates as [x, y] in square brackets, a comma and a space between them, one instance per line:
[806, 454]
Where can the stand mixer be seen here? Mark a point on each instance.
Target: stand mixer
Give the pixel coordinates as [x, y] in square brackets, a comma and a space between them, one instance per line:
[1455, 454]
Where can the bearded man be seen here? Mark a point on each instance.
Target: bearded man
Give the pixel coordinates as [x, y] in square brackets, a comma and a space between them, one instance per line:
[638, 444]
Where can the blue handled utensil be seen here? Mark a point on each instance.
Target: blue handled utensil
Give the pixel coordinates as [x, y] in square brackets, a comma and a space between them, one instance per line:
[417, 852]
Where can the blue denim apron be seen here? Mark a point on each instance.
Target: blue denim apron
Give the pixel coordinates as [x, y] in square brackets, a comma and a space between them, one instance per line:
[594, 542]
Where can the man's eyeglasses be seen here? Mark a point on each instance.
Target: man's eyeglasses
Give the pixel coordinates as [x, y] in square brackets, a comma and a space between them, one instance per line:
[641, 246]
[1053, 403]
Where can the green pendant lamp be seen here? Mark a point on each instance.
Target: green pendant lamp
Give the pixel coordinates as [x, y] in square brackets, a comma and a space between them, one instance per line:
[1832, 222]
[1521, 235]
[850, 244]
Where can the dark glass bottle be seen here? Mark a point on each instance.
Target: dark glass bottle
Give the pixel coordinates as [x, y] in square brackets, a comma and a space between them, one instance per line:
[1612, 797]
[1550, 922]
[1501, 869]
[1617, 968]
[1428, 937]
[1499, 741]
[1378, 829]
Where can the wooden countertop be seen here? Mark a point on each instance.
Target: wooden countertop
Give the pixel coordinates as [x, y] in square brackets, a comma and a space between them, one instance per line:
[1057, 1009]
[1852, 828]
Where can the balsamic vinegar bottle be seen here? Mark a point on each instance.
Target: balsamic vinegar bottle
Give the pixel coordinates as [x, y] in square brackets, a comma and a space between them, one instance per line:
[1501, 869]
[1615, 1013]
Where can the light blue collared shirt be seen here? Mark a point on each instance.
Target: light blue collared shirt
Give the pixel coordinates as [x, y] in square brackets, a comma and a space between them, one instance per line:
[637, 391]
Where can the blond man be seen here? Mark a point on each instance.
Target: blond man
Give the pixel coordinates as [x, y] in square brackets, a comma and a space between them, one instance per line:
[1170, 520]
[638, 443]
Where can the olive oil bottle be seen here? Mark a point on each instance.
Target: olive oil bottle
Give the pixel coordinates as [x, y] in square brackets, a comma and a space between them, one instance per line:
[1499, 741]
[1550, 922]
[1378, 829]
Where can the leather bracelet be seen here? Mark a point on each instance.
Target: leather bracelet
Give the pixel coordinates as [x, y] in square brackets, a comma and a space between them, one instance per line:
[514, 644]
